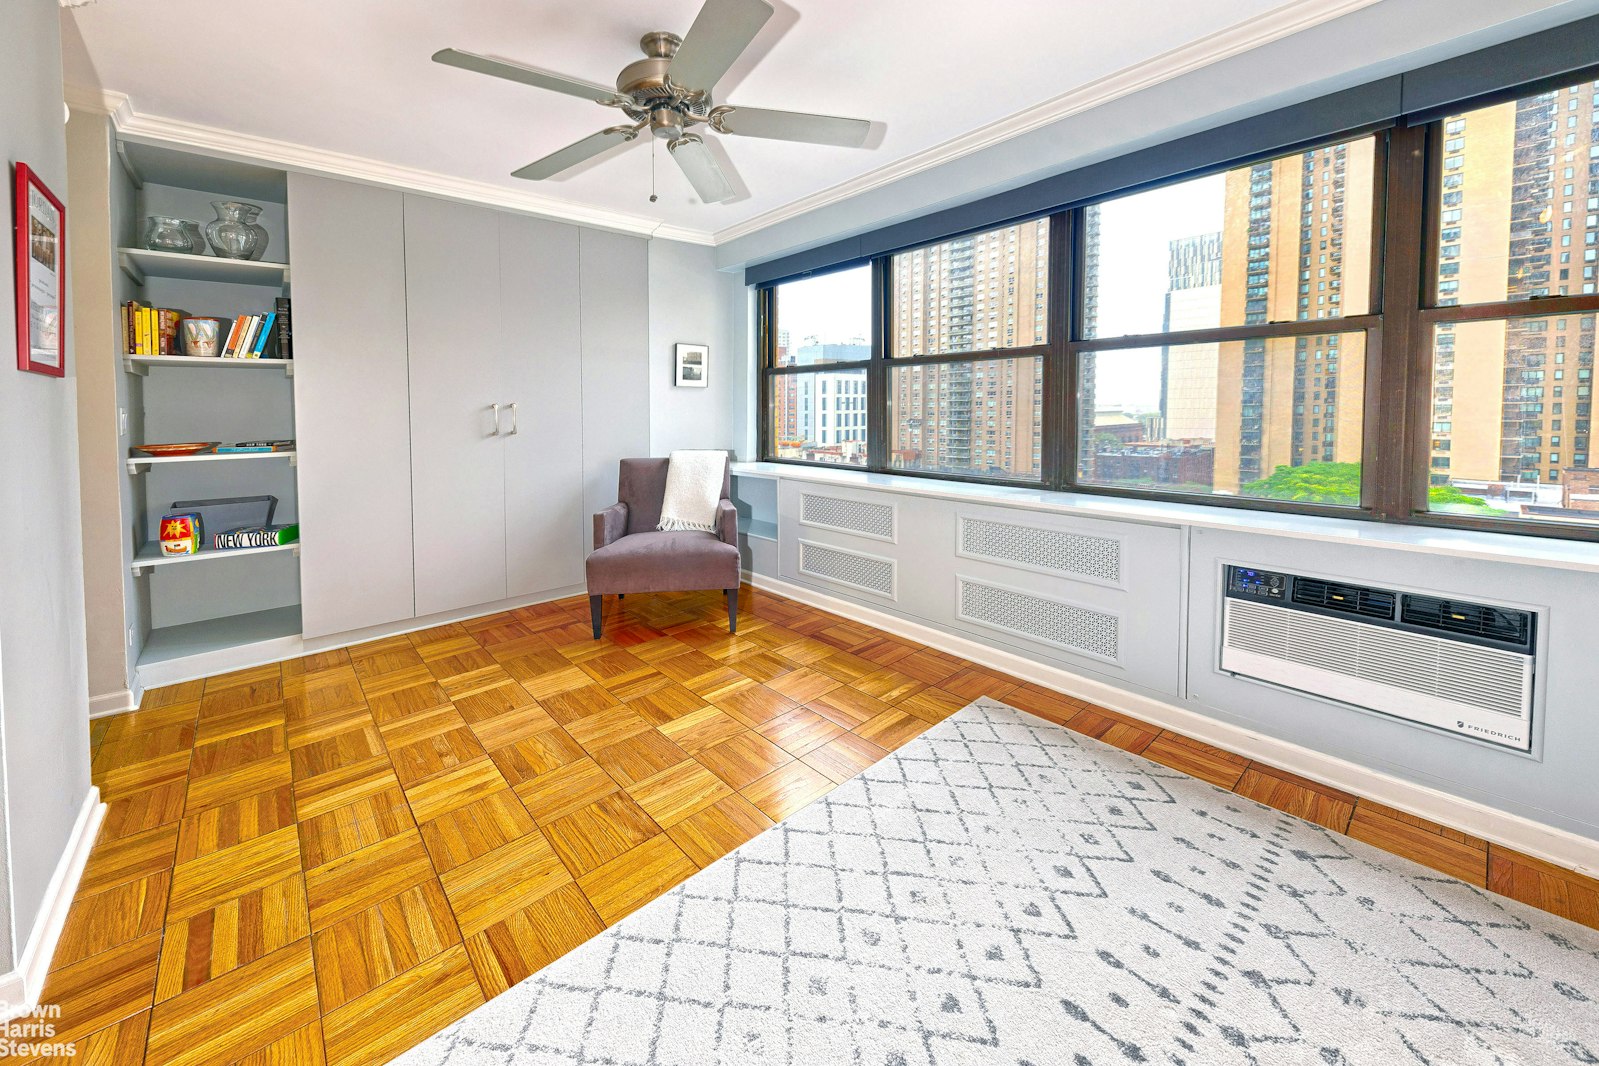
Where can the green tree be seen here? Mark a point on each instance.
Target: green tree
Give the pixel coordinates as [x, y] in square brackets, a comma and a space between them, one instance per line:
[1339, 484]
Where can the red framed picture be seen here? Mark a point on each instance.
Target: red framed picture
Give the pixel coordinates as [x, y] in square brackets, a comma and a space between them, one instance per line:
[41, 223]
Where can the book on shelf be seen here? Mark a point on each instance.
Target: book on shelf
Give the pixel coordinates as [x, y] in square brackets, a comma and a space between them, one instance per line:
[252, 337]
[256, 536]
[150, 330]
[283, 341]
[247, 446]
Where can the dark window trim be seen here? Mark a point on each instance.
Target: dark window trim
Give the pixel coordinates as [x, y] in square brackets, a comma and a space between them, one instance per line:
[1398, 329]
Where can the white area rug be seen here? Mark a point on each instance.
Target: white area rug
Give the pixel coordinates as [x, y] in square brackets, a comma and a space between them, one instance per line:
[1002, 890]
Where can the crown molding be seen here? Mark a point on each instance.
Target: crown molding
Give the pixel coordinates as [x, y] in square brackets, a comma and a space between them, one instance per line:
[1285, 21]
[229, 144]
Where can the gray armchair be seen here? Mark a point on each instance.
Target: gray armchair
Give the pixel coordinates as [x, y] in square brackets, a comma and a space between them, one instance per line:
[631, 555]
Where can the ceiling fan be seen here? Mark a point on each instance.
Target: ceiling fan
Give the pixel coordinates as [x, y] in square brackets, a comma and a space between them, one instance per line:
[669, 92]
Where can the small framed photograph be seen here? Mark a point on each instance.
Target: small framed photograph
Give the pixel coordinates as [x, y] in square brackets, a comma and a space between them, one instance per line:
[40, 223]
[693, 365]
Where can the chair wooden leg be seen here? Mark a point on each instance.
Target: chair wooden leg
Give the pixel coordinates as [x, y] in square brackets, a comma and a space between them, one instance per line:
[732, 610]
[596, 605]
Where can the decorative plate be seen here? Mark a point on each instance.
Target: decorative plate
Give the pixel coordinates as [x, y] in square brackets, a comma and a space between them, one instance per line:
[162, 451]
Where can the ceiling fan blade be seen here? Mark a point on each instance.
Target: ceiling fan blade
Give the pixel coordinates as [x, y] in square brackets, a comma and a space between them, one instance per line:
[793, 126]
[701, 168]
[721, 32]
[573, 154]
[539, 79]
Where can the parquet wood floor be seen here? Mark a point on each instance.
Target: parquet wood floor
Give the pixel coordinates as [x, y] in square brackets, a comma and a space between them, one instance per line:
[328, 859]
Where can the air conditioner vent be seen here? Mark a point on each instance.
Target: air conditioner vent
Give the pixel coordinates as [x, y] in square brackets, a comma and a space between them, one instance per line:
[1469, 619]
[1349, 599]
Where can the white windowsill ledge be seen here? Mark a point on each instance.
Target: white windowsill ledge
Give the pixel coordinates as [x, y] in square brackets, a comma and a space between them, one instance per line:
[1456, 543]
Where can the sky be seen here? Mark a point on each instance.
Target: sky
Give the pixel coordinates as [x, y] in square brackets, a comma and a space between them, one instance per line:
[1135, 232]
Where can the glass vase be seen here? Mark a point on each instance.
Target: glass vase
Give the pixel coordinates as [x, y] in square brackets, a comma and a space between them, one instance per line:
[234, 233]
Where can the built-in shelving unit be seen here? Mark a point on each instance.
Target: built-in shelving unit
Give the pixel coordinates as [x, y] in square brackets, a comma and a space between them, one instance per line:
[141, 264]
[143, 364]
[138, 463]
[215, 610]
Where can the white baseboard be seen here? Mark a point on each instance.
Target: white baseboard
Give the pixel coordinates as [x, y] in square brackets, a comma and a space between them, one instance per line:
[114, 702]
[20, 989]
[1549, 843]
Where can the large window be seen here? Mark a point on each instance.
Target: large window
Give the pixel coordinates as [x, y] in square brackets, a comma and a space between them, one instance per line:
[821, 340]
[1398, 325]
[1516, 193]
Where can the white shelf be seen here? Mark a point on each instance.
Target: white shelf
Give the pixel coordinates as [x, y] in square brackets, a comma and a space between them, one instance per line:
[760, 530]
[150, 555]
[141, 364]
[141, 263]
[139, 464]
[219, 634]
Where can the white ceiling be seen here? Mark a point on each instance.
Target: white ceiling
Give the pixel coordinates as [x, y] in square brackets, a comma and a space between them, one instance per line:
[353, 77]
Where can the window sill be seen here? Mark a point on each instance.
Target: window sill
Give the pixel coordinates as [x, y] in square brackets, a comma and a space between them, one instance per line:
[1456, 543]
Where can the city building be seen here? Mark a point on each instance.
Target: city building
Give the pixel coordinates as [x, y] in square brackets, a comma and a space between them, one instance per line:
[1193, 301]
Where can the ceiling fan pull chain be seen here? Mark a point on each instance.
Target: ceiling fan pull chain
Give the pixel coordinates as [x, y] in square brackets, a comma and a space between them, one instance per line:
[652, 171]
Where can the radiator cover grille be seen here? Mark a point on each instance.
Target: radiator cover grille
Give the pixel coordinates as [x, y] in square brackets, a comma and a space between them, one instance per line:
[866, 572]
[852, 516]
[1064, 625]
[1053, 550]
[1466, 688]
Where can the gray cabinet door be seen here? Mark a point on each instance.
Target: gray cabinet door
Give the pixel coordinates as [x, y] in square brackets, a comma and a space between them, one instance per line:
[615, 273]
[352, 409]
[541, 365]
[452, 273]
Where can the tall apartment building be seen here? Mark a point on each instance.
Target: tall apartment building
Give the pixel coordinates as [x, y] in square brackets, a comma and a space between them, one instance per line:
[1188, 371]
[1295, 245]
[1512, 400]
[974, 293]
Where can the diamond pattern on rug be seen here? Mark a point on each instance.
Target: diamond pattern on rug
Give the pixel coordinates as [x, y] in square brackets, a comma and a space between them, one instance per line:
[1002, 890]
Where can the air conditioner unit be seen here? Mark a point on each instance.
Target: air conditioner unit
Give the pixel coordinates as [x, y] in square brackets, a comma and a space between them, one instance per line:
[1459, 666]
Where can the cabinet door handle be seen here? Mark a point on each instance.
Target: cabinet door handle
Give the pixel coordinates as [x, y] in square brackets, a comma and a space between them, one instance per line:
[513, 422]
[496, 408]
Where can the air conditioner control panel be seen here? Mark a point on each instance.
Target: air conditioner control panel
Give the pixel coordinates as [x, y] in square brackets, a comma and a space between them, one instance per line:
[1249, 584]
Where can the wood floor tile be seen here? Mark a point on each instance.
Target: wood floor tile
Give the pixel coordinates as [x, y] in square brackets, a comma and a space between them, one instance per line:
[803, 684]
[565, 789]
[1196, 759]
[800, 731]
[928, 666]
[440, 753]
[637, 757]
[701, 729]
[1113, 729]
[121, 1044]
[138, 812]
[342, 787]
[204, 883]
[354, 882]
[394, 1017]
[492, 886]
[359, 953]
[888, 685]
[476, 829]
[244, 721]
[1297, 796]
[512, 726]
[405, 701]
[103, 920]
[237, 782]
[115, 860]
[787, 789]
[238, 1013]
[743, 759]
[104, 988]
[1453, 857]
[250, 694]
[118, 781]
[932, 704]
[443, 793]
[236, 932]
[892, 729]
[144, 746]
[677, 792]
[844, 757]
[421, 726]
[848, 707]
[754, 705]
[521, 944]
[568, 693]
[235, 751]
[636, 877]
[607, 727]
[340, 831]
[169, 695]
[1051, 706]
[347, 747]
[1373, 807]
[708, 834]
[299, 1047]
[1543, 885]
[666, 703]
[590, 837]
[540, 753]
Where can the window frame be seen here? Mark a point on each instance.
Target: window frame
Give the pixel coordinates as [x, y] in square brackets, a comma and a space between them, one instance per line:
[1398, 325]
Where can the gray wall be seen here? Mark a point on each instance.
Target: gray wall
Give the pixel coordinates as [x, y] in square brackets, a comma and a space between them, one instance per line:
[692, 303]
[43, 674]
